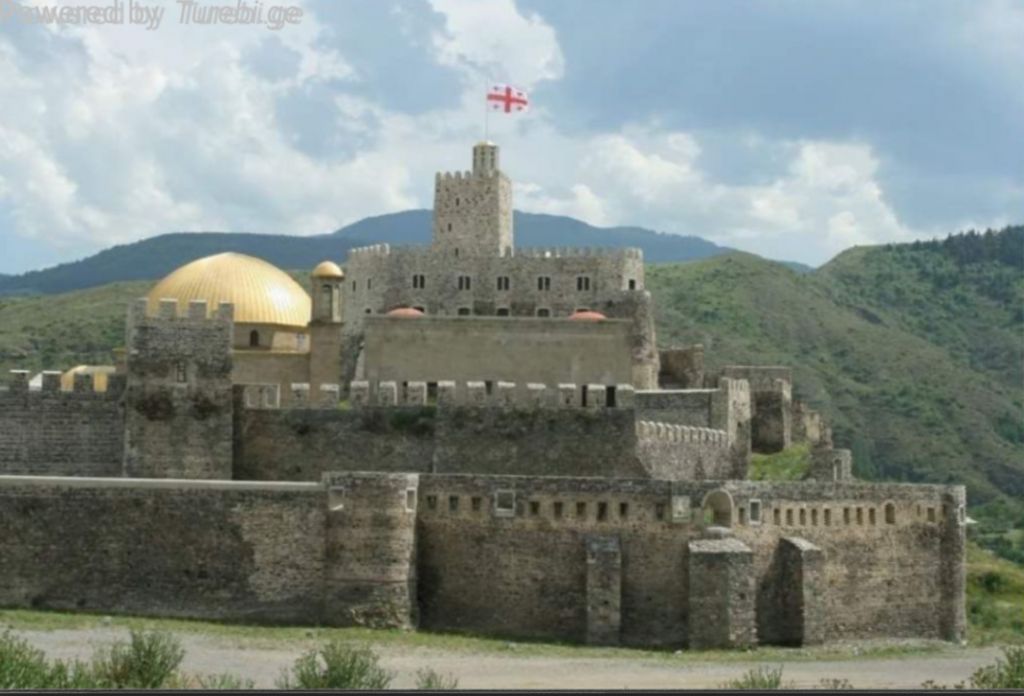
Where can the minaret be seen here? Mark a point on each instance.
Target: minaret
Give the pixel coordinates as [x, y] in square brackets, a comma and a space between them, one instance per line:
[473, 210]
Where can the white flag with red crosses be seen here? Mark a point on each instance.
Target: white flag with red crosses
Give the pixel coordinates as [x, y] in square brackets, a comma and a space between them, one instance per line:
[507, 99]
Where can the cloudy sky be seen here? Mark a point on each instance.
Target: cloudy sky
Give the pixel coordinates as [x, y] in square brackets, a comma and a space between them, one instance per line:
[790, 129]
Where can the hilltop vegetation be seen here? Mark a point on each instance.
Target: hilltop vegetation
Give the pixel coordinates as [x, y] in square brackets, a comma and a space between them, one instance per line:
[913, 352]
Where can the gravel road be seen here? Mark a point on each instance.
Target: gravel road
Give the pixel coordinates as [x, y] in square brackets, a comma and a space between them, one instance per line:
[214, 654]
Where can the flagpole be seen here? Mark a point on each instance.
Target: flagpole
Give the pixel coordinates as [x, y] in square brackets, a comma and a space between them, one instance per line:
[487, 112]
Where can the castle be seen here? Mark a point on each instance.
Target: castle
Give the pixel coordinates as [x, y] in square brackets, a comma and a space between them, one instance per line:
[466, 436]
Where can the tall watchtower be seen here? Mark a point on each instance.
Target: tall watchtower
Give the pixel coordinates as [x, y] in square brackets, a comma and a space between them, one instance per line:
[473, 210]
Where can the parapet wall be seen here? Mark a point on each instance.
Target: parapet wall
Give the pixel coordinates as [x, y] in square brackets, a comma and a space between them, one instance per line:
[683, 452]
[55, 432]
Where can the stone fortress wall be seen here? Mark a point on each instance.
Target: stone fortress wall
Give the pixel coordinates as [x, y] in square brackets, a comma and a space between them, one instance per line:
[633, 561]
[54, 432]
[571, 430]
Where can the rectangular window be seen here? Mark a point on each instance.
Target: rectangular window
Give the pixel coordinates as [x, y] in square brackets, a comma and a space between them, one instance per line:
[504, 283]
[632, 284]
[181, 374]
[755, 512]
[465, 282]
[419, 281]
[544, 283]
[432, 502]
[828, 517]
[871, 515]
[502, 311]
[743, 515]
[846, 515]
[659, 511]
[581, 509]
[453, 503]
[475, 503]
[583, 283]
[931, 514]
[354, 286]
[369, 283]
[543, 312]
[505, 503]
[410, 499]
[534, 507]
[464, 311]
[602, 511]
[623, 509]
[778, 516]
[557, 508]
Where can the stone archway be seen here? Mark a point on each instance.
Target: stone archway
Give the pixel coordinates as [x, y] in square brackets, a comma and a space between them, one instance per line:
[717, 508]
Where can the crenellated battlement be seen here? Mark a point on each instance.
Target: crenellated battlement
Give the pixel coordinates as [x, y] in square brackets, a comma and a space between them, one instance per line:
[578, 252]
[171, 309]
[371, 250]
[670, 432]
[18, 385]
[498, 395]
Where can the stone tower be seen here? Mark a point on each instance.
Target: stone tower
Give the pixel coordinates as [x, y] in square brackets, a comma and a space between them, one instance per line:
[473, 210]
[325, 350]
[178, 400]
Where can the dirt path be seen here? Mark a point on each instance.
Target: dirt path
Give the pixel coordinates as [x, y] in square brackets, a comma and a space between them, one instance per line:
[215, 654]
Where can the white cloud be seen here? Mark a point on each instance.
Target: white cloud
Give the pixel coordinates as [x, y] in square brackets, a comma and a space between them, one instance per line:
[124, 135]
[490, 40]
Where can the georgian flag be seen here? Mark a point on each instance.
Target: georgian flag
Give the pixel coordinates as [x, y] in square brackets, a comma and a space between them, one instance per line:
[507, 98]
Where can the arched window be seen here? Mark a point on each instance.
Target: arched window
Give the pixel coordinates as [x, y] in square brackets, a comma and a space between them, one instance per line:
[254, 339]
[717, 508]
[327, 298]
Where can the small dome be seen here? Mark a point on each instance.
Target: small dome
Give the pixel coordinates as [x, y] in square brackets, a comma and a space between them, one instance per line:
[328, 269]
[260, 292]
[586, 315]
[404, 313]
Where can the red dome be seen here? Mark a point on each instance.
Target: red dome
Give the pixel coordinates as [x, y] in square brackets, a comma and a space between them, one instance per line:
[587, 315]
[404, 313]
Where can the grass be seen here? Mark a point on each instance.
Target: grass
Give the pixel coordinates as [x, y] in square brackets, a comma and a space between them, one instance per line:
[791, 464]
[995, 598]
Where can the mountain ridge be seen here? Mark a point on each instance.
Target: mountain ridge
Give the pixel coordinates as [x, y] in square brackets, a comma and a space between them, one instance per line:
[155, 257]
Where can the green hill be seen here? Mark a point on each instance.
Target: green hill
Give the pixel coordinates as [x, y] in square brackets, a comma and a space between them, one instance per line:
[913, 352]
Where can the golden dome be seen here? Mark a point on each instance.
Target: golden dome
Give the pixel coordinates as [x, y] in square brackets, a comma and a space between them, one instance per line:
[327, 269]
[261, 292]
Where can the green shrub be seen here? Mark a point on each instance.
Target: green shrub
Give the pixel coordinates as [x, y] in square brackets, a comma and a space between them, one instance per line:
[25, 667]
[760, 678]
[21, 665]
[149, 660]
[335, 665]
[1006, 673]
[429, 680]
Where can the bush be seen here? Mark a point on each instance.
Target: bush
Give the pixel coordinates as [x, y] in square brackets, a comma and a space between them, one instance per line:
[760, 678]
[429, 680]
[1006, 673]
[149, 660]
[335, 665]
[25, 667]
